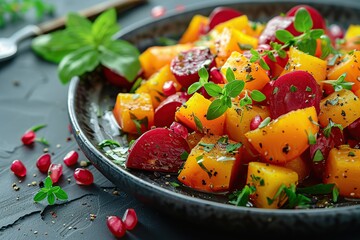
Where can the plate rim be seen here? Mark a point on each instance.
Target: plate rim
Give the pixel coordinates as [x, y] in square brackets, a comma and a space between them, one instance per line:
[86, 146]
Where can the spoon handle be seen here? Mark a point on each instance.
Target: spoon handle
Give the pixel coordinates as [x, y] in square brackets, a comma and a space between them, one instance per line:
[119, 5]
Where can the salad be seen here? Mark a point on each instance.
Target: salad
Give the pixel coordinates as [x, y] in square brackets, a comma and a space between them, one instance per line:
[266, 113]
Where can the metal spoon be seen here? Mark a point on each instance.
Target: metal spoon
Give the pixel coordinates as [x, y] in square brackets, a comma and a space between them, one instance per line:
[8, 46]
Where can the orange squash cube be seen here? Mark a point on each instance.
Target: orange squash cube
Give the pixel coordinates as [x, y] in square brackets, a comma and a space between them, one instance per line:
[192, 33]
[343, 169]
[134, 108]
[209, 166]
[193, 115]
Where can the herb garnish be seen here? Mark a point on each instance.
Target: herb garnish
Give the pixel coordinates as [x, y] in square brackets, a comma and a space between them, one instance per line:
[50, 192]
[199, 161]
[328, 128]
[318, 156]
[340, 83]
[82, 46]
[293, 199]
[241, 198]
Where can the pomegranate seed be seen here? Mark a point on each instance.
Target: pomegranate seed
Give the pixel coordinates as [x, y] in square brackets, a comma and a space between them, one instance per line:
[43, 162]
[169, 88]
[28, 138]
[71, 158]
[178, 128]
[55, 172]
[158, 11]
[130, 219]
[83, 176]
[18, 168]
[255, 122]
[216, 76]
[116, 226]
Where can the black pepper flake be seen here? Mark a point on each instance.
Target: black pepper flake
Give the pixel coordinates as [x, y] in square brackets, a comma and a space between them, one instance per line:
[286, 149]
[203, 182]
[343, 113]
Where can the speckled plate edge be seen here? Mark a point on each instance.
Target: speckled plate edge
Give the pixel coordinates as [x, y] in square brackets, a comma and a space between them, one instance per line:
[204, 210]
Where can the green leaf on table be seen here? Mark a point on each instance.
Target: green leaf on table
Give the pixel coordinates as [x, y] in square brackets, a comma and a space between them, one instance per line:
[50, 192]
[61, 194]
[79, 28]
[51, 198]
[40, 196]
[77, 63]
[48, 183]
[121, 57]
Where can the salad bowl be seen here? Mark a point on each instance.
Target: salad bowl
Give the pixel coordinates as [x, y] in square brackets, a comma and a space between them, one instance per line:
[87, 96]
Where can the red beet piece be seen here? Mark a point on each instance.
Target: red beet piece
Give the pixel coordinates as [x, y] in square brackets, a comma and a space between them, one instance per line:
[18, 168]
[276, 23]
[324, 145]
[83, 176]
[216, 76]
[353, 130]
[158, 149]
[71, 158]
[55, 172]
[185, 66]
[130, 219]
[165, 112]
[116, 226]
[179, 129]
[292, 91]
[118, 80]
[43, 162]
[222, 14]
[169, 88]
[318, 20]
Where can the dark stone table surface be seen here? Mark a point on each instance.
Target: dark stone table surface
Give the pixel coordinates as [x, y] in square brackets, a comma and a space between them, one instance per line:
[31, 94]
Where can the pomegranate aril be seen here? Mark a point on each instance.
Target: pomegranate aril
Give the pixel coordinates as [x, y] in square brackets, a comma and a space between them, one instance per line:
[83, 176]
[169, 88]
[116, 226]
[71, 158]
[43, 163]
[255, 122]
[55, 172]
[18, 168]
[28, 138]
[130, 219]
[178, 128]
[216, 76]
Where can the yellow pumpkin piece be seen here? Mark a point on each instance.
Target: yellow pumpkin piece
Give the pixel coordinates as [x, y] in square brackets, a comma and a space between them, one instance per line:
[209, 166]
[349, 65]
[343, 169]
[238, 23]
[237, 123]
[154, 58]
[301, 166]
[286, 137]
[254, 29]
[193, 115]
[341, 107]
[299, 60]
[231, 40]
[255, 77]
[194, 138]
[154, 85]
[192, 33]
[133, 107]
[352, 31]
[267, 179]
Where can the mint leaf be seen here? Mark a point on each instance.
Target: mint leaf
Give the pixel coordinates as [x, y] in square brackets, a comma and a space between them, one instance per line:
[61, 194]
[105, 26]
[51, 198]
[213, 89]
[79, 28]
[77, 63]
[121, 57]
[216, 109]
[40, 196]
[284, 35]
[303, 21]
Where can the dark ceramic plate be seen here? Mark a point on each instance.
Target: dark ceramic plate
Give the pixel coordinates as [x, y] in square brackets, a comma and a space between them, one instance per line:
[87, 98]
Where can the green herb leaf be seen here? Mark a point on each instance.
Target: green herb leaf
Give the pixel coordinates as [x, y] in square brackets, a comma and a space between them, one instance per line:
[204, 75]
[246, 100]
[234, 88]
[194, 87]
[216, 109]
[293, 88]
[37, 127]
[232, 147]
[198, 123]
[213, 89]
[207, 147]
[51, 192]
[263, 64]
[307, 46]
[316, 33]
[311, 138]
[199, 160]
[79, 28]
[318, 156]
[284, 35]
[257, 96]
[265, 122]
[335, 194]
[61, 194]
[164, 41]
[40, 196]
[184, 155]
[108, 143]
[51, 198]
[230, 76]
[48, 182]
[77, 63]
[255, 56]
[303, 21]
[242, 197]
[174, 184]
[139, 123]
[121, 57]
[105, 26]
[42, 140]
[328, 128]
[317, 189]
[340, 83]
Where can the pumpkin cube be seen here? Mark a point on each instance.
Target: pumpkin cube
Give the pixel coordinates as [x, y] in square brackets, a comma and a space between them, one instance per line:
[267, 179]
[286, 137]
[343, 169]
[134, 112]
[193, 115]
[341, 107]
[193, 31]
[210, 165]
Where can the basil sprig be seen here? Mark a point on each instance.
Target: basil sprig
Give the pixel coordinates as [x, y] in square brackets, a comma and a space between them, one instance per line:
[83, 45]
